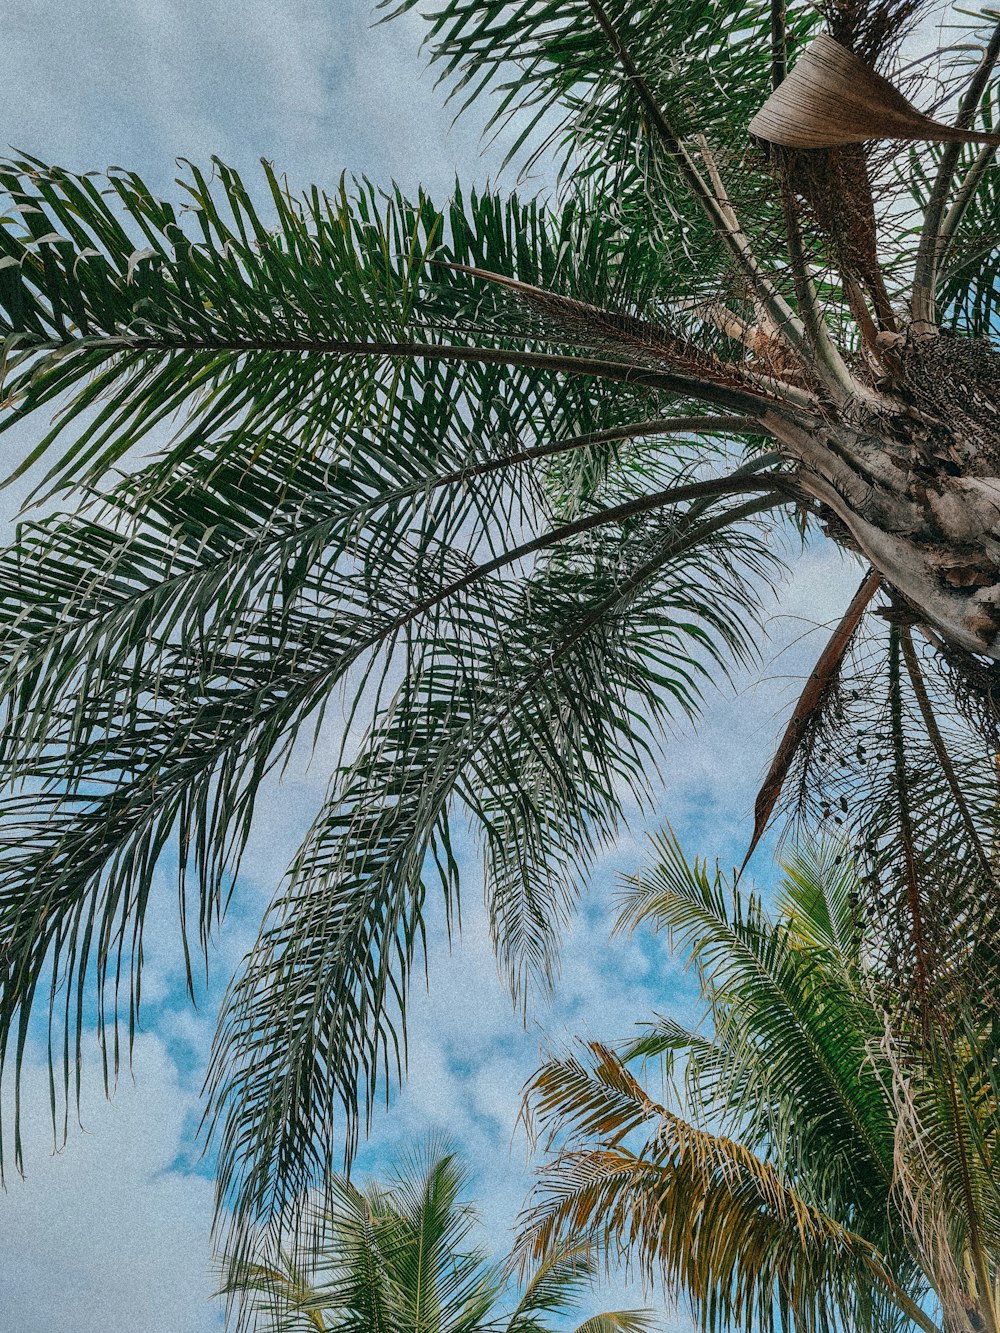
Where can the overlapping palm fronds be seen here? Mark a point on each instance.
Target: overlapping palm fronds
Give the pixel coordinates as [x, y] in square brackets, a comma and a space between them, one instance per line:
[497, 475]
[836, 1166]
[395, 1257]
[408, 535]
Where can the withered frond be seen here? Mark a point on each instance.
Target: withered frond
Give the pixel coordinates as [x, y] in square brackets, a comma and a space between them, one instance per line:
[910, 779]
[765, 364]
[820, 693]
[718, 1224]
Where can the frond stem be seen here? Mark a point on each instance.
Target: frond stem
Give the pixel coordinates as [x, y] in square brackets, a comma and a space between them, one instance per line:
[932, 239]
[826, 356]
[634, 430]
[907, 1304]
[937, 742]
[779, 43]
[743, 401]
[914, 905]
[825, 351]
[810, 311]
[723, 222]
[708, 425]
[778, 488]
[963, 198]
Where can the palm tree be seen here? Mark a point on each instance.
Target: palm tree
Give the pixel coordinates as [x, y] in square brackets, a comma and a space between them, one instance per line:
[512, 477]
[832, 1172]
[392, 1258]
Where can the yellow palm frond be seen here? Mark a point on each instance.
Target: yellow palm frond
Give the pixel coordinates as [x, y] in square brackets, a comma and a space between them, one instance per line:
[719, 1225]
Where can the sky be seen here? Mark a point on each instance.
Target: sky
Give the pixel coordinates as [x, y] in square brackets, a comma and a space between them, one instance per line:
[112, 1233]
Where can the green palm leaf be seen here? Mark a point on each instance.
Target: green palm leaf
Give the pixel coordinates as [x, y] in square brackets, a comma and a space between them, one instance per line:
[617, 1321]
[394, 1257]
[320, 1005]
[277, 328]
[805, 1099]
[810, 1024]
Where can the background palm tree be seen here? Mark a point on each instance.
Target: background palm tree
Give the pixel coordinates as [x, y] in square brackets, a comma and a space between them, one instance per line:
[393, 1258]
[513, 476]
[836, 1169]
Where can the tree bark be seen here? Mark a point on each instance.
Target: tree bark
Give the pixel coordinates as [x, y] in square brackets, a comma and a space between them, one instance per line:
[912, 482]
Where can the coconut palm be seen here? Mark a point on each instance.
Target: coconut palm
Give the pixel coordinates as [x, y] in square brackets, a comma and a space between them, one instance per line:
[509, 477]
[393, 1258]
[817, 1163]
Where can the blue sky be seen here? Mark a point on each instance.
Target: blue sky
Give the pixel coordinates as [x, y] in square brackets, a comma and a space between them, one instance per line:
[111, 1234]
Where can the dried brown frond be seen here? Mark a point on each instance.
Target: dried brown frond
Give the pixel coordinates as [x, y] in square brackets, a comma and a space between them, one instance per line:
[820, 690]
[715, 1222]
[762, 360]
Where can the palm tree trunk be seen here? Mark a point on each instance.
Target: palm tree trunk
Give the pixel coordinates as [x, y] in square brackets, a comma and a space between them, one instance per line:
[915, 488]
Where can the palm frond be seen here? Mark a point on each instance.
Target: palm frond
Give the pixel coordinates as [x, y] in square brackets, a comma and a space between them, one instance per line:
[395, 1257]
[557, 72]
[618, 1321]
[789, 1015]
[278, 1292]
[544, 677]
[716, 1223]
[296, 322]
[553, 1285]
[818, 899]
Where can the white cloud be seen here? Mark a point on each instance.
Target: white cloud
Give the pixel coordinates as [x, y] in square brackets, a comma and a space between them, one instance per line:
[307, 84]
[110, 1235]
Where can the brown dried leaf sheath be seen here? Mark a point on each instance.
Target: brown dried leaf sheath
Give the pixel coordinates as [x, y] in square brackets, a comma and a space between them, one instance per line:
[832, 97]
[811, 698]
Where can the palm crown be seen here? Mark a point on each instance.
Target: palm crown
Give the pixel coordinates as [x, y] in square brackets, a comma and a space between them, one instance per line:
[833, 1171]
[394, 1258]
[505, 473]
